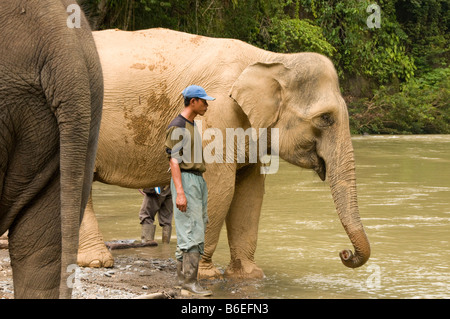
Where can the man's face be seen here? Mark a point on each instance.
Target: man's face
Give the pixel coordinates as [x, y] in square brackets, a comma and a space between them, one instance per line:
[199, 106]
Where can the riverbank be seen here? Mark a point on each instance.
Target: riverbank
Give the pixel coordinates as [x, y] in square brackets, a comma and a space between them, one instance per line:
[131, 277]
[138, 273]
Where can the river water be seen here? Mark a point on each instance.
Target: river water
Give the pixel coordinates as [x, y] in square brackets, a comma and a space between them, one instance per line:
[404, 200]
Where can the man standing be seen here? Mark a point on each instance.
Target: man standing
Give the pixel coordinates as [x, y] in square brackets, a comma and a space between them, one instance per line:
[189, 190]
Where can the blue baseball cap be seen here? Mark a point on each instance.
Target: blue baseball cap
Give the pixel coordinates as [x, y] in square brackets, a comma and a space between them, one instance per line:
[196, 91]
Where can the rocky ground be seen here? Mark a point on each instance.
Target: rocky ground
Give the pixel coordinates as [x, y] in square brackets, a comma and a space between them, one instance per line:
[131, 277]
[135, 274]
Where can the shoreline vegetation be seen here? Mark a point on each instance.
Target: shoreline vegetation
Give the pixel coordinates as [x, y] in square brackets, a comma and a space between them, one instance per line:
[392, 57]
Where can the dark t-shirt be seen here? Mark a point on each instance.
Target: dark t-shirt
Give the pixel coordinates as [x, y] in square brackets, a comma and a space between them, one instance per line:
[183, 142]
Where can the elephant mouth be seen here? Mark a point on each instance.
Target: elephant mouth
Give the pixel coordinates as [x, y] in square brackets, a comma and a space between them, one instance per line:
[320, 168]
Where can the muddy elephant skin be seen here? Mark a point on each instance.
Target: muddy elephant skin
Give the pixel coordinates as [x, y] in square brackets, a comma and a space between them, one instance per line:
[297, 94]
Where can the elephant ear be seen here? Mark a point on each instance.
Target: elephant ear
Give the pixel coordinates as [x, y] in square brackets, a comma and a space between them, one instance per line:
[258, 91]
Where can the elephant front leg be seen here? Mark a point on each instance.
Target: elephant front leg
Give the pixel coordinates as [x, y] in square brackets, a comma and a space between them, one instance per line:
[92, 251]
[220, 181]
[242, 223]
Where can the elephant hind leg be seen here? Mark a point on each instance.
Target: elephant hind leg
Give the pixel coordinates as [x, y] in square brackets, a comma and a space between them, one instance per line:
[92, 251]
[35, 246]
[30, 207]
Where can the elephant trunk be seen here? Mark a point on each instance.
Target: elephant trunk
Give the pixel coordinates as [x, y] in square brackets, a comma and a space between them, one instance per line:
[341, 173]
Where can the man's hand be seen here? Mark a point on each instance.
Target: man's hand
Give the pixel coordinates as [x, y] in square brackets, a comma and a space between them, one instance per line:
[181, 202]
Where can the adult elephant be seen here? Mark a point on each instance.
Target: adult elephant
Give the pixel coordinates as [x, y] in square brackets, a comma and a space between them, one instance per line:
[51, 92]
[298, 94]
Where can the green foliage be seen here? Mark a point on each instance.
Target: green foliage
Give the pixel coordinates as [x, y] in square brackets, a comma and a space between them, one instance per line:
[426, 23]
[421, 107]
[397, 74]
[295, 35]
[378, 53]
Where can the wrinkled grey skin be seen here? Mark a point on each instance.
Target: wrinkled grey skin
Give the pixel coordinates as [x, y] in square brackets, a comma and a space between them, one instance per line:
[51, 91]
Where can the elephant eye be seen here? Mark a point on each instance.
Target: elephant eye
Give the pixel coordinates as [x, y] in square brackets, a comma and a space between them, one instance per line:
[327, 118]
[324, 120]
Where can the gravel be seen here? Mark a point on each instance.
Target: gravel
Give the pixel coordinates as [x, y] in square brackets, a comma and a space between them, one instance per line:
[131, 277]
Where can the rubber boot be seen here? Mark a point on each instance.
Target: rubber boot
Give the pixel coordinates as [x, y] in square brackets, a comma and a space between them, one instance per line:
[180, 275]
[190, 270]
[148, 233]
[166, 234]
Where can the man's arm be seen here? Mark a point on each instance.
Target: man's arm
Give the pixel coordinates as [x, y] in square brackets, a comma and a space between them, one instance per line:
[181, 200]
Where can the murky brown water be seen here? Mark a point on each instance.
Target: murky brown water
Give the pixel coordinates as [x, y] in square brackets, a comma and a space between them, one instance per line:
[404, 200]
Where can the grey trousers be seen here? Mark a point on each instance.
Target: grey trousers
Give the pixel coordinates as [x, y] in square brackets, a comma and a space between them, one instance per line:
[154, 203]
[191, 225]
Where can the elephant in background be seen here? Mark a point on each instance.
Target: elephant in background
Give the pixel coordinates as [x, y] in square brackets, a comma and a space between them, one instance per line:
[298, 94]
[51, 92]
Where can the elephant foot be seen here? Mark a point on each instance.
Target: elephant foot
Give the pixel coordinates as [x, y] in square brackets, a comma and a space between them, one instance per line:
[238, 269]
[95, 258]
[206, 270]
